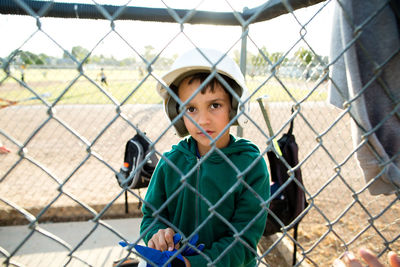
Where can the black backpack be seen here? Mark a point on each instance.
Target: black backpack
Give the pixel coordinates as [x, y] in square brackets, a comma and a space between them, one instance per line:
[130, 176]
[291, 201]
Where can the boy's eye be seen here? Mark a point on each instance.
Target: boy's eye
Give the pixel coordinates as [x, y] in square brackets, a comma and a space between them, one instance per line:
[215, 105]
[190, 109]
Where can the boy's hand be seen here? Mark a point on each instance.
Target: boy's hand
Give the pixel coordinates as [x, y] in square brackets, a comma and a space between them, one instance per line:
[163, 240]
[161, 257]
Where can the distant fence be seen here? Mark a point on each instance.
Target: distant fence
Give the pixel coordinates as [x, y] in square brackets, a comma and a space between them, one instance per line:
[63, 131]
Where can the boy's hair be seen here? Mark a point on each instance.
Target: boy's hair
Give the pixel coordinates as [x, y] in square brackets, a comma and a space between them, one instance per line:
[201, 77]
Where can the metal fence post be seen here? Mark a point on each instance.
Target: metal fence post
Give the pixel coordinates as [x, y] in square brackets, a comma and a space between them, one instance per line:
[243, 53]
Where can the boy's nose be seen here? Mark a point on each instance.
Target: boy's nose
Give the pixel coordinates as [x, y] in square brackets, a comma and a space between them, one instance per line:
[203, 118]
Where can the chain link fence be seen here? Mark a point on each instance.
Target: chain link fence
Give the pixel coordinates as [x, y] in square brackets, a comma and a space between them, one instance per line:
[63, 128]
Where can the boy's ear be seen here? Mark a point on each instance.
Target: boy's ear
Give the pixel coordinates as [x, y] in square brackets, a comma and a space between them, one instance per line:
[232, 112]
[172, 110]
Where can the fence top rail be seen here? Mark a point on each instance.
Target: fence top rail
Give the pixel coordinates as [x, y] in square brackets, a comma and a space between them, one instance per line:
[269, 10]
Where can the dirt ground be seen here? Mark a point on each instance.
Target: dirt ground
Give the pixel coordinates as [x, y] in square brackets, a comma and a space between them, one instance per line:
[66, 170]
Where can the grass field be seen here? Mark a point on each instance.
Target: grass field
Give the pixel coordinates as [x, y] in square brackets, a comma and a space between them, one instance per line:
[127, 86]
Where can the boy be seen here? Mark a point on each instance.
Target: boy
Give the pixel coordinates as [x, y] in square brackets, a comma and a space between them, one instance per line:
[210, 184]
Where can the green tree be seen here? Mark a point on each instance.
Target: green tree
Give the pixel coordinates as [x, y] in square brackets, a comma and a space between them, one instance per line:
[44, 58]
[259, 63]
[304, 56]
[308, 62]
[277, 56]
[80, 53]
[260, 60]
[29, 58]
[96, 59]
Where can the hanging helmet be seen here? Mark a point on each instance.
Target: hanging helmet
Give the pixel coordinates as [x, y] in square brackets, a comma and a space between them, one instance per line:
[193, 62]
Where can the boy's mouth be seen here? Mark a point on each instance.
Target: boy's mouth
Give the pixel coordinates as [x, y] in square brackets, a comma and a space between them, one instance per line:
[209, 132]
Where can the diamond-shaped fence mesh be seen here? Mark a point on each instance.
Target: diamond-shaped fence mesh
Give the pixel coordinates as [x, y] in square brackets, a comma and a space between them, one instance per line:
[65, 120]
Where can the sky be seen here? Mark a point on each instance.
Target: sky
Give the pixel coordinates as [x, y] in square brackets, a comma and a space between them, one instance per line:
[277, 35]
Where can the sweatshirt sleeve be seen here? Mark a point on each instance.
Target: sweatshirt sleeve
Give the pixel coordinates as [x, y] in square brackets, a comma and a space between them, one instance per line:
[240, 246]
[154, 198]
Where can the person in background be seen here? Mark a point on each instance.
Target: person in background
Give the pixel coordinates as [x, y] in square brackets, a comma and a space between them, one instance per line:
[23, 72]
[103, 77]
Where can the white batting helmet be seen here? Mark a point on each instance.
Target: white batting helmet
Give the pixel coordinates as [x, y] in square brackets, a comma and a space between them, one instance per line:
[194, 61]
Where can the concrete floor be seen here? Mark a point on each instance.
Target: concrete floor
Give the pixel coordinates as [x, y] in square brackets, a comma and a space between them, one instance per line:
[99, 249]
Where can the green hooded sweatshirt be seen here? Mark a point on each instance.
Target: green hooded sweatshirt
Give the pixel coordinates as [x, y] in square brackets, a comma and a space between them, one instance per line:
[227, 212]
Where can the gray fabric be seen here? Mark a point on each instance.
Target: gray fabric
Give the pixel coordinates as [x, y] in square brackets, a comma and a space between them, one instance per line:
[372, 101]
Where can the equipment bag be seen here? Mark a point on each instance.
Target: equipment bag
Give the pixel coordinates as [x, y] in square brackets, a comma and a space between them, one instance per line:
[136, 150]
[290, 202]
[130, 176]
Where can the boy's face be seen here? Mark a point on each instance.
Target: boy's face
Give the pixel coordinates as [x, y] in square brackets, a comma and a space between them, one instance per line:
[209, 110]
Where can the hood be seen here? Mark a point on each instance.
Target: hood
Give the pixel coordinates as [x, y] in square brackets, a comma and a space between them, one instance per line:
[236, 146]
